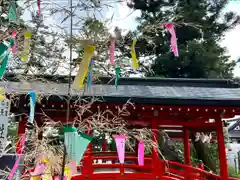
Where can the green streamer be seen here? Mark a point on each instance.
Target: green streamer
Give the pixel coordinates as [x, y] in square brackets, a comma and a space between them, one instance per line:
[12, 16]
[117, 71]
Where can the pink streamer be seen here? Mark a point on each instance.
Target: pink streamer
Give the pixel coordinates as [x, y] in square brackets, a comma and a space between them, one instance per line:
[14, 169]
[39, 170]
[111, 51]
[170, 29]
[73, 167]
[141, 153]
[14, 48]
[120, 143]
[39, 7]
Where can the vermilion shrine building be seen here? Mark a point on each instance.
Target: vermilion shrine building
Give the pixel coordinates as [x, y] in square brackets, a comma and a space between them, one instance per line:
[178, 104]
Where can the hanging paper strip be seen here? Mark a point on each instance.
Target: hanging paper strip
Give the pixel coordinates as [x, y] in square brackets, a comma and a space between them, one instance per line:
[26, 48]
[4, 65]
[134, 56]
[83, 69]
[117, 71]
[14, 169]
[141, 153]
[14, 45]
[120, 144]
[12, 16]
[73, 167]
[3, 51]
[89, 79]
[47, 175]
[112, 50]
[39, 7]
[81, 143]
[171, 29]
[33, 98]
[69, 140]
[2, 94]
[38, 171]
[67, 173]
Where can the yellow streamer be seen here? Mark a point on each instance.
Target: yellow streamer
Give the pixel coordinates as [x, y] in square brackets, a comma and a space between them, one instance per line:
[67, 173]
[134, 56]
[2, 94]
[83, 69]
[26, 47]
[48, 172]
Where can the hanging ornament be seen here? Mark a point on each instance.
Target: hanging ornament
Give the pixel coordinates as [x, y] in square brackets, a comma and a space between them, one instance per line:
[33, 99]
[2, 94]
[171, 29]
[89, 79]
[48, 170]
[117, 71]
[39, 7]
[83, 69]
[112, 50]
[141, 153]
[26, 48]
[12, 16]
[14, 169]
[14, 44]
[134, 56]
[120, 144]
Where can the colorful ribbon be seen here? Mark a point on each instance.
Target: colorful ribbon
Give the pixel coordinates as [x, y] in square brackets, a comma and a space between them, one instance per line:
[83, 69]
[117, 71]
[120, 143]
[90, 75]
[134, 56]
[171, 29]
[26, 49]
[14, 45]
[12, 15]
[33, 99]
[39, 7]
[112, 50]
[2, 94]
[14, 169]
[141, 153]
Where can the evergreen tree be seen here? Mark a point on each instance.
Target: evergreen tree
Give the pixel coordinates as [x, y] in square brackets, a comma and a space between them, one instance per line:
[200, 25]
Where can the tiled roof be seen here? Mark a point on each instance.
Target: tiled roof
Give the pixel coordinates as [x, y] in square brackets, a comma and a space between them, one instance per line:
[147, 90]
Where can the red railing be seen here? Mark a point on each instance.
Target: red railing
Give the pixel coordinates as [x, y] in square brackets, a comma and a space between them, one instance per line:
[130, 170]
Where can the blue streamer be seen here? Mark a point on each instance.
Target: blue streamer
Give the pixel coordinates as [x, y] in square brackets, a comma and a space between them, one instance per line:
[33, 99]
[89, 79]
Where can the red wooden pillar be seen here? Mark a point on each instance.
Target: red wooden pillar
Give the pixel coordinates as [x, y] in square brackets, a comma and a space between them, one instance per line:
[155, 156]
[21, 130]
[187, 159]
[221, 150]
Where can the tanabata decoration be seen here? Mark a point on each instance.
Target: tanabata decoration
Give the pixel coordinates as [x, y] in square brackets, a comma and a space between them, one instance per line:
[12, 16]
[14, 45]
[4, 56]
[2, 94]
[38, 171]
[117, 71]
[134, 56]
[112, 50]
[75, 144]
[171, 29]
[120, 144]
[14, 169]
[39, 7]
[47, 175]
[33, 98]
[26, 48]
[141, 153]
[83, 69]
[89, 79]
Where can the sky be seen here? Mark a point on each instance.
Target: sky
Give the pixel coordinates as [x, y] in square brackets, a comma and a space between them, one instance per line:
[124, 18]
